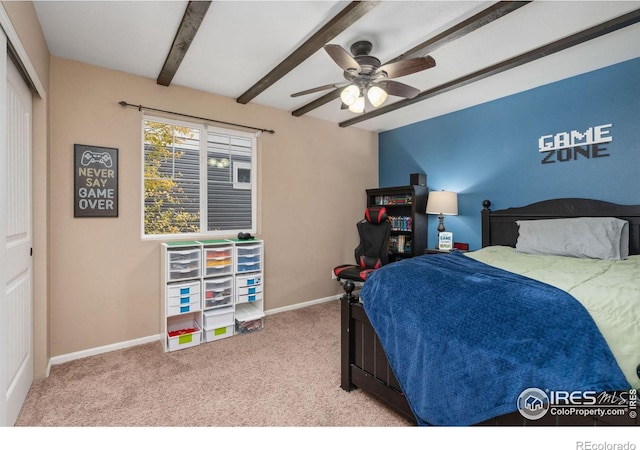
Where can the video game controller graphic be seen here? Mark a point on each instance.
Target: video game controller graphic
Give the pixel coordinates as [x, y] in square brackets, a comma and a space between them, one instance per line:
[89, 157]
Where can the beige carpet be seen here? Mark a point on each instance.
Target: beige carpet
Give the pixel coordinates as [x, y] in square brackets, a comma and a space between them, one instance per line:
[287, 374]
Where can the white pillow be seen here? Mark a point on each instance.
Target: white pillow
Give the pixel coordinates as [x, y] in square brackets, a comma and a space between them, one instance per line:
[581, 237]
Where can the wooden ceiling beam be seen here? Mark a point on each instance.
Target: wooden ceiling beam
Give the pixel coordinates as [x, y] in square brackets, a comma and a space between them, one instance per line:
[465, 27]
[191, 21]
[326, 98]
[562, 44]
[343, 20]
[484, 17]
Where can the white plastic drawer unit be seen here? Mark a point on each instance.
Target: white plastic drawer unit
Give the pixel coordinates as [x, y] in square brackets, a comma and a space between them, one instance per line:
[183, 298]
[182, 333]
[184, 264]
[249, 288]
[248, 258]
[216, 318]
[218, 292]
[219, 333]
[218, 261]
[248, 318]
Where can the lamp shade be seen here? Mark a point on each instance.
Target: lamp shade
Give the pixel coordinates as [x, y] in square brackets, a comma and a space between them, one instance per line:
[442, 202]
[350, 94]
[358, 106]
[376, 96]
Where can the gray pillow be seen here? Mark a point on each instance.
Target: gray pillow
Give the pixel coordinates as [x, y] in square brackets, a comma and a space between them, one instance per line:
[581, 237]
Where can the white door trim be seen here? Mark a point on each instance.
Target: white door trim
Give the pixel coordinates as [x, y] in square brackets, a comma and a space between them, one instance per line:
[21, 52]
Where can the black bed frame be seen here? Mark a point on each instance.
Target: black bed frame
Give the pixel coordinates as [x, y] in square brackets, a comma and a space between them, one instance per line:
[363, 361]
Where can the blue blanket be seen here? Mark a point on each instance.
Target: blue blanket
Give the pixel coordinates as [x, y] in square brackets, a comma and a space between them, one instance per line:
[464, 339]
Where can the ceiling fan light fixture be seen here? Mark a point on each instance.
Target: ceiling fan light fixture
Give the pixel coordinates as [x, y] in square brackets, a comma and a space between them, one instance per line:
[376, 95]
[350, 95]
[222, 163]
[358, 106]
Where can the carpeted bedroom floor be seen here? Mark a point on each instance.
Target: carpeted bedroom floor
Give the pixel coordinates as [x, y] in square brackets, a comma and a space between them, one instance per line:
[287, 374]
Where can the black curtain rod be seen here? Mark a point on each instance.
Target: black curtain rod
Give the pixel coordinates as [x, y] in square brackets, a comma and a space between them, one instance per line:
[141, 107]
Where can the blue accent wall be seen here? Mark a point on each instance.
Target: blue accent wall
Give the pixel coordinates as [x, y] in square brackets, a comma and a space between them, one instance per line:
[490, 151]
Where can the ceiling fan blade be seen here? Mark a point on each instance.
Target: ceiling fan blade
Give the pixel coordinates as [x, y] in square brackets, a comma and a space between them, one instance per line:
[343, 105]
[342, 58]
[398, 89]
[406, 67]
[319, 89]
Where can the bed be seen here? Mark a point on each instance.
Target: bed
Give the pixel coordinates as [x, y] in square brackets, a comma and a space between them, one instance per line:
[602, 366]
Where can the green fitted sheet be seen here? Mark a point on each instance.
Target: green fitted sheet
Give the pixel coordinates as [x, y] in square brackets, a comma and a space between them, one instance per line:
[609, 290]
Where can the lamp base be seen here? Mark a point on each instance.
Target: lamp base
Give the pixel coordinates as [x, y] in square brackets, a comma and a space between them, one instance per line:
[441, 224]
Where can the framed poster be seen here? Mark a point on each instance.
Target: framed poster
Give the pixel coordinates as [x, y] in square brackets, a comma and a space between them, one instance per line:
[95, 181]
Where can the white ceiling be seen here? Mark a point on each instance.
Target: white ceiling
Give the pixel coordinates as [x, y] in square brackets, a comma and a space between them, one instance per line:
[239, 42]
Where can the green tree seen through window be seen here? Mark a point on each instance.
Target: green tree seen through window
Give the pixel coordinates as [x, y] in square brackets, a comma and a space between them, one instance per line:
[163, 191]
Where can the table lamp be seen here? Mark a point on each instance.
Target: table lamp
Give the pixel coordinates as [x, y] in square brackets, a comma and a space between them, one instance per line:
[443, 203]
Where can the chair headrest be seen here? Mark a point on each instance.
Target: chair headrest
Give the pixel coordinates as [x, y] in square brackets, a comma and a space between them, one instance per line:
[375, 214]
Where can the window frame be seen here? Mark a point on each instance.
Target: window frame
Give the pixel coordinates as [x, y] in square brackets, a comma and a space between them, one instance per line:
[204, 130]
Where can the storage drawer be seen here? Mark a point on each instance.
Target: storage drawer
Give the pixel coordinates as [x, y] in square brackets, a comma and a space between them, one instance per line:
[183, 299]
[248, 280]
[184, 256]
[249, 325]
[218, 262]
[219, 333]
[214, 271]
[248, 250]
[218, 292]
[249, 259]
[216, 318]
[249, 267]
[174, 310]
[249, 298]
[218, 300]
[178, 339]
[250, 290]
[180, 289]
[184, 264]
[218, 253]
[248, 318]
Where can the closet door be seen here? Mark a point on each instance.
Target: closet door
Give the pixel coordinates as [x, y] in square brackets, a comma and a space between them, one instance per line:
[16, 271]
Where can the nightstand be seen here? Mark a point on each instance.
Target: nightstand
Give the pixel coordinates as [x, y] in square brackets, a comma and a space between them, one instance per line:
[461, 246]
[435, 251]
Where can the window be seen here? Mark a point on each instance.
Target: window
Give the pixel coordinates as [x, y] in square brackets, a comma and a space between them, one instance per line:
[198, 179]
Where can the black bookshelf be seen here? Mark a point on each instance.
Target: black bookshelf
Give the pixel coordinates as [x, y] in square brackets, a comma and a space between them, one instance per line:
[406, 206]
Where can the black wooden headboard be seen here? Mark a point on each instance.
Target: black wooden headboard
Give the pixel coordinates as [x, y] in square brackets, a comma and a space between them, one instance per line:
[500, 228]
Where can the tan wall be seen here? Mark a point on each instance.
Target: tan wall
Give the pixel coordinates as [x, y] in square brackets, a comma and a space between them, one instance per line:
[25, 21]
[105, 281]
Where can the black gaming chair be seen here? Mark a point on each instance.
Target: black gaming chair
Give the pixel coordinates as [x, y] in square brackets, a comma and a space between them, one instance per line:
[372, 252]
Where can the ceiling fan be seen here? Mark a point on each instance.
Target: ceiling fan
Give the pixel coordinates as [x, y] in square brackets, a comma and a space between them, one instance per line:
[367, 78]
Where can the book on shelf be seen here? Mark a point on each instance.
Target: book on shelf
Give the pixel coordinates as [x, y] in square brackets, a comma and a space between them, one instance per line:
[400, 244]
[401, 223]
[392, 200]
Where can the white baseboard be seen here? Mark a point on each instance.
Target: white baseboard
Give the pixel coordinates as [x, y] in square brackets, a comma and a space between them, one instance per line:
[145, 340]
[302, 305]
[98, 350]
